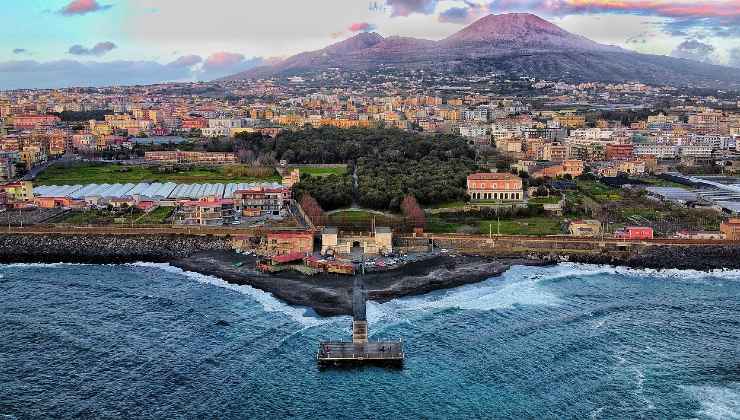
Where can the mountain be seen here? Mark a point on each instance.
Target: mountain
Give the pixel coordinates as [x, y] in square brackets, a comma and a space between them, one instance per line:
[515, 44]
[519, 31]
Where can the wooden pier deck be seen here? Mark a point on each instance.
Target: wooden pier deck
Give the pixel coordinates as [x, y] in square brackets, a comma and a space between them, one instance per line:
[338, 353]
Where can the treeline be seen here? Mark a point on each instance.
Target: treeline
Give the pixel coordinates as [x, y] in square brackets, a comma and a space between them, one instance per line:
[391, 164]
[331, 191]
[75, 116]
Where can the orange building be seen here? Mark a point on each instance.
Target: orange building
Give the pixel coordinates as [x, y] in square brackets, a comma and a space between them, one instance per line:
[619, 151]
[731, 229]
[488, 186]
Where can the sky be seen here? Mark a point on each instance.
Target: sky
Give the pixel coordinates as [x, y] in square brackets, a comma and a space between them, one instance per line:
[61, 43]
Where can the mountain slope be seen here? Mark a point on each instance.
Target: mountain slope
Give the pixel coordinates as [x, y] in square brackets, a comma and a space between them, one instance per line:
[515, 44]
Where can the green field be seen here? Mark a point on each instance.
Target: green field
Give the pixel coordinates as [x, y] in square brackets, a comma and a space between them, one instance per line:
[111, 174]
[599, 192]
[360, 216]
[323, 171]
[545, 200]
[533, 226]
[156, 216]
[448, 205]
[97, 217]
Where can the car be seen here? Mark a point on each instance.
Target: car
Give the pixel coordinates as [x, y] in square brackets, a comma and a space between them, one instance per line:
[236, 222]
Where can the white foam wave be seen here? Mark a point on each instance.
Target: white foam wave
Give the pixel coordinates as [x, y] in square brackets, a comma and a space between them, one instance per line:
[577, 269]
[518, 286]
[717, 402]
[266, 300]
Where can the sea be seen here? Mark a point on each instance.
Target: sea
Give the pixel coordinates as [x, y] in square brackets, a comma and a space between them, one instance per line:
[562, 342]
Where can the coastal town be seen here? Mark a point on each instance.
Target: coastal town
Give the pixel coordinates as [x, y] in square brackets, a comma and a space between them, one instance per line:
[564, 159]
[437, 209]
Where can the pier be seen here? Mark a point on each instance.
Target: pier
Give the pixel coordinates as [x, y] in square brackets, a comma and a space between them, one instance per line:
[360, 351]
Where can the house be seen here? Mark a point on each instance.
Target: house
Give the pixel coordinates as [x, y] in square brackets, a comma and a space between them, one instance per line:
[635, 232]
[489, 186]
[279, 243]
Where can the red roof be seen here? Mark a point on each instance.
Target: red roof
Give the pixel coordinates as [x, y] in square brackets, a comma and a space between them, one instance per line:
[286, 258]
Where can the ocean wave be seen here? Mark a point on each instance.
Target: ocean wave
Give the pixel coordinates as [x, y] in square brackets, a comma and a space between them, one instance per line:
[268, 302]
[518, 286]
[579, 270]
[717, 402]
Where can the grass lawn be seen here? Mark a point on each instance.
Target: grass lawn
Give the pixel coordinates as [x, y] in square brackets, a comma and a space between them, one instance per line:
[534, 226]
[449, 205]
[323, 171]
[599, 192]
[659, 182]
[95, 217]
[156, 216]
[359, 216]
[111, 174]
[436, 225]
[545, 200]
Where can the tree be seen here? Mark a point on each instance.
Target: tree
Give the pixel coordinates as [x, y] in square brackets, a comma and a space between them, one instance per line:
[413, 213]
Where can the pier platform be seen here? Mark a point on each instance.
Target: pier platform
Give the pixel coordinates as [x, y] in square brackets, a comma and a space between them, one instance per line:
[347, 353]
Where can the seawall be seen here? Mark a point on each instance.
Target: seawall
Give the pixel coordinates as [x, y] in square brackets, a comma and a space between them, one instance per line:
[103, 249]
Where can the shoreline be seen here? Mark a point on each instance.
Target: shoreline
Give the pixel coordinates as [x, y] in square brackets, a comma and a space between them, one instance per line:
[330, 294]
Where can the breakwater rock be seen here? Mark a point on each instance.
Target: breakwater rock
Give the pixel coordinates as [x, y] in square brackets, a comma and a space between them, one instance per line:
[703, 258]
[99, 249]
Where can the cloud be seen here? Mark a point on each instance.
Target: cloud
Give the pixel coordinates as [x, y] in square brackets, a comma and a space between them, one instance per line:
[186, 61]
[101, 48]
[361, 27]
[224, 63]
[409, 7]
[29, 74]
[83, 7]
[714, 17]
[463, 15]
[734, 58]
[693, 49]
[20, 51]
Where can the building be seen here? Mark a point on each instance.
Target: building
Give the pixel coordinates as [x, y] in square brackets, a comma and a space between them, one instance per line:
[619, 151]
[178, 156]
[21, 191]
[282, 243]
[635, 232]
[731, 229]
[7, 169]
[377, 242]
[27, 122]
[262, 200]
[208, 211]
[489, 186]
[291, 178]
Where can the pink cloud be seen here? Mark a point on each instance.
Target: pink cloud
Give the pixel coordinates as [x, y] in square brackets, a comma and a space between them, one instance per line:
[361, 27]
[666, 8]
[82, 7]
[223, 59]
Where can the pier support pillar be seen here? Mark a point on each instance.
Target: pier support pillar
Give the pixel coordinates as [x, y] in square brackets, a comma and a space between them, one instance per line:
[359, 331]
